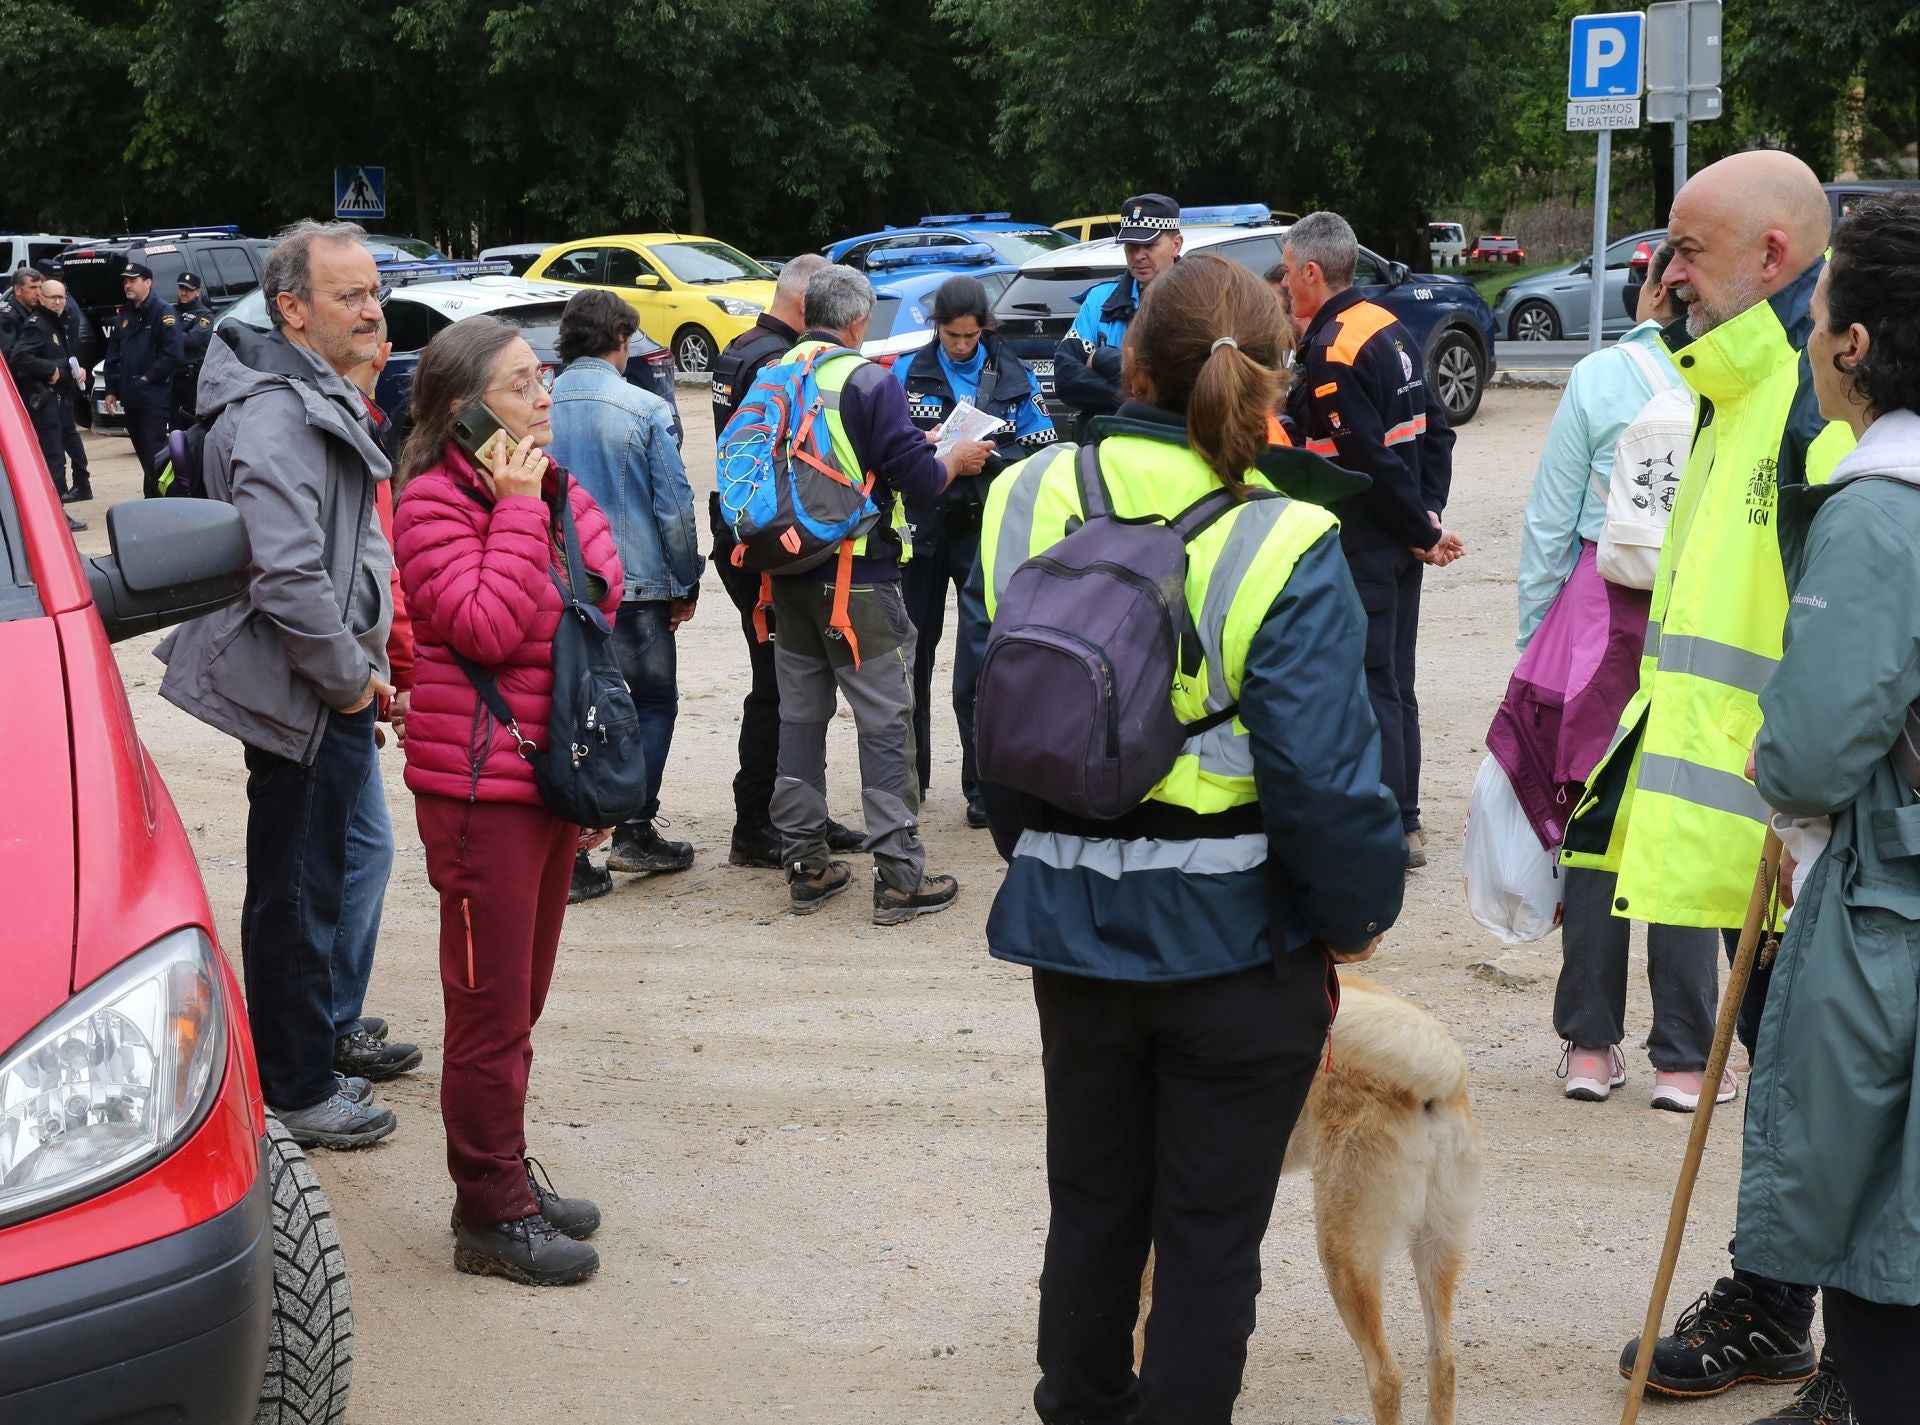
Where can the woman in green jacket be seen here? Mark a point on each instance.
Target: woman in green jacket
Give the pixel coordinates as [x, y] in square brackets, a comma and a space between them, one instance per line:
[1830, 1190]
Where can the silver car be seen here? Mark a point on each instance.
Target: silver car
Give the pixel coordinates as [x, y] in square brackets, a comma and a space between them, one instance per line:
[1553, 305]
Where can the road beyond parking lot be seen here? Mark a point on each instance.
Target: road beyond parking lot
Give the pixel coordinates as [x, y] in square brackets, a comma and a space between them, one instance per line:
[819, 1145]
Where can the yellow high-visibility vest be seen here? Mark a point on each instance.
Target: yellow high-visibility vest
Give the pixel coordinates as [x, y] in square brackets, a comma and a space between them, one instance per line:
[1236, 568]
[1669, 807]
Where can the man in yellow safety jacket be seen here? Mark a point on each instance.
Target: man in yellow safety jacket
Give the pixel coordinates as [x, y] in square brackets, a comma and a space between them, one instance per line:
[1670, 809]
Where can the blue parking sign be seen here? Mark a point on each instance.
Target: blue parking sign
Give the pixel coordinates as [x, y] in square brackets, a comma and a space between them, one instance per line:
[359, 191]
[1608, 56]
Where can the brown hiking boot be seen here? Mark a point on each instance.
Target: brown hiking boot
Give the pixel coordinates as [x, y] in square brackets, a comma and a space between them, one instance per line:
[892, 906]
[808, 890]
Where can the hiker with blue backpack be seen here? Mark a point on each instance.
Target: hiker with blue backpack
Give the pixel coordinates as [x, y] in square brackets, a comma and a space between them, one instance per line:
[965, 362]
[812, 470]
[1184, 772]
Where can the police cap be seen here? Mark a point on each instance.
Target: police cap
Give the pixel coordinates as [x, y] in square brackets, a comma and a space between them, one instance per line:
[190, 282]
[1148, 216]
[136, 269]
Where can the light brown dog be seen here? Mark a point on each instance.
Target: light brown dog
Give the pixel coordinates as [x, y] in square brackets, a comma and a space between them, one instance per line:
[1395, 1155]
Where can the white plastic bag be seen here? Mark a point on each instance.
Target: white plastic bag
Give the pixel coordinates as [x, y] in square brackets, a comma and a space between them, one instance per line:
[1513, 883]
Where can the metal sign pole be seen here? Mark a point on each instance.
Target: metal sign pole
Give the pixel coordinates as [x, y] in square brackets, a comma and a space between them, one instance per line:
[1680, 124]
[1597, 301]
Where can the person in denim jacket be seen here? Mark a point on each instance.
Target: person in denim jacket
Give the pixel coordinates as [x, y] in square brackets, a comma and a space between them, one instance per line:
[618, 441]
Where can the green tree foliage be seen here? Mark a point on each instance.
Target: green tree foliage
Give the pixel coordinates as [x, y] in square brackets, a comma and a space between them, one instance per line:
[780, 124]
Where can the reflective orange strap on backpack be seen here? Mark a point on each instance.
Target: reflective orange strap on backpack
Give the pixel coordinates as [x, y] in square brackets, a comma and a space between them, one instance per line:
[761, 608]
[841, 621]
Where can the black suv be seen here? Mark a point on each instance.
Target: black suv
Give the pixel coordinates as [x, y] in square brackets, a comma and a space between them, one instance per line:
[1447, 315]
[226, 260]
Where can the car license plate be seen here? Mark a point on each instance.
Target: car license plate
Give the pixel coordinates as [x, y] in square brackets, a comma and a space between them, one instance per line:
[1042, 368]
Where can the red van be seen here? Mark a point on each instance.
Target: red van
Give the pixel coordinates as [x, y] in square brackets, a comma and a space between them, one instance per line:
[165, 1251]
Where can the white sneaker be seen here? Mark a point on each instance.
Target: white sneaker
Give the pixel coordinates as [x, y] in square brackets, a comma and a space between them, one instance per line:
[1592, 1074]
[1680, 1092]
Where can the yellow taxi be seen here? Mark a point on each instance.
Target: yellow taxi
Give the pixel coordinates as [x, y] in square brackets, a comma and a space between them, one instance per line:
[693, 294]
[1087, 229]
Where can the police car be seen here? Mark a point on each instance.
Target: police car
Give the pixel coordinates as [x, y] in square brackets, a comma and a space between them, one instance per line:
[1009, 241]
[1446, 315]
[903, 306]
[415, 313]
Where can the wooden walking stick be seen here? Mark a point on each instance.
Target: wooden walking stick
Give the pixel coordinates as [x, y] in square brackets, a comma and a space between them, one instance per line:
[1765, 882]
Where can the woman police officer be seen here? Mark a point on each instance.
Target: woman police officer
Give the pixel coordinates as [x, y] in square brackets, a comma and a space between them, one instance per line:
[966, 361]
[1183, 954]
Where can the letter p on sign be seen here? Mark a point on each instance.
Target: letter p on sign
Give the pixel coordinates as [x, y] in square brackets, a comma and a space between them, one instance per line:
[1606, 58]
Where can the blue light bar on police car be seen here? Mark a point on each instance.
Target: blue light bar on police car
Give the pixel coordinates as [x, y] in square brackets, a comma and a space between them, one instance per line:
[937, 220]
[1234, 215]
[965, 254]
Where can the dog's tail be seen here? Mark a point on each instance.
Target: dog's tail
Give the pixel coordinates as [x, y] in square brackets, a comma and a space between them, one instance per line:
[1395, 1041]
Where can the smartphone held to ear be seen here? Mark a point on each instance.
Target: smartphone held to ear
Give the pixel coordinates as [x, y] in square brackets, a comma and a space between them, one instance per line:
[479, 432]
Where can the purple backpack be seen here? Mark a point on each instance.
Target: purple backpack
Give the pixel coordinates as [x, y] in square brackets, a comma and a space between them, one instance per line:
[1075, 698]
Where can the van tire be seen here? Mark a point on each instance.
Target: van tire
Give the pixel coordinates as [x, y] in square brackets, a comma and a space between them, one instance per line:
[310, 1346]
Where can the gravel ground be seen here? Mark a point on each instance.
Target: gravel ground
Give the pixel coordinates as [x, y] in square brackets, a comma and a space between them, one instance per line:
[819, 1146]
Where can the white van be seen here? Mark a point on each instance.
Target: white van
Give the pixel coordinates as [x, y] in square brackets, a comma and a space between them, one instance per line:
[35, 250]
[1447, 244]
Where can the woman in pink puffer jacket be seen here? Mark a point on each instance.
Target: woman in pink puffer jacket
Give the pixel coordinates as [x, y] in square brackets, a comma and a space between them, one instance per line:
[475, 549]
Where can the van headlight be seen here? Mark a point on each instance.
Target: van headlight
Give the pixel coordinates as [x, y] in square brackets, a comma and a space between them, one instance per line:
[735, 307]
[114, 1079]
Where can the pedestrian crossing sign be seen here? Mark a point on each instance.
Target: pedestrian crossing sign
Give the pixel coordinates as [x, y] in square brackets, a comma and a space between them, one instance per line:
[359, 191]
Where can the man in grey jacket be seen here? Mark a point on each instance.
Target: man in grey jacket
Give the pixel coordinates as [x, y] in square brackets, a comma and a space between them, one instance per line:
[295, 670]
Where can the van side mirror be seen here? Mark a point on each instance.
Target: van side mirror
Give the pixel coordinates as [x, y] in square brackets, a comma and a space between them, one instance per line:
[170, 561]
[1397, 272]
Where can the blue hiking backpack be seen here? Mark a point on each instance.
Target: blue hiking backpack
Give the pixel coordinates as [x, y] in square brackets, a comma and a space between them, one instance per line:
[782, 490]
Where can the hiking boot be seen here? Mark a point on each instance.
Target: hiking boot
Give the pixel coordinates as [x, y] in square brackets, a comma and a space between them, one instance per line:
[756, 845]
[808, 890]
[529, 1249]
[1680, 1092]
[590, 882]
[843, 839]
[351, 1089]
[361, 1054]
[575, 1216]
[976, 813]
[1821, 1401]
[1722, 1339]
[373, 1026]
[338, 1122]
[1416, 848]
[892, 906]
[78, 495]
[1592, 1074]
[74, 526]
[639, 849]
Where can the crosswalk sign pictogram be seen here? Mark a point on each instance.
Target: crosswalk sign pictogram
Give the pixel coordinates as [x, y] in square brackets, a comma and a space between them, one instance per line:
[359, 191]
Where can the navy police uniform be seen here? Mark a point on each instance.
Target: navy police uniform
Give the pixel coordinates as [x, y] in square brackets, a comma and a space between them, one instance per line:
[1359, 398]
[143, 354]
[946, 531]
[1086, 364]
[196, 330]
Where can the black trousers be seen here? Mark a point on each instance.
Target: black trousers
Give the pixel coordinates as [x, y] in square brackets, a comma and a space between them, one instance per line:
[148, 430]
[1388, 581]
[945, 557]
[44, 409]
[297, 821]
[760, 711]
[1168, 1113]
[1870, 1346]
[74, 448]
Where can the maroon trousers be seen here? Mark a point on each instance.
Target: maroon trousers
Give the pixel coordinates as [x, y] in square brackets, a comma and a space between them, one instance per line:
[502, 871]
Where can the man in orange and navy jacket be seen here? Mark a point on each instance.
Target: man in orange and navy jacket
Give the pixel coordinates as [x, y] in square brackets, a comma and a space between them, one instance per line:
[1359, 398]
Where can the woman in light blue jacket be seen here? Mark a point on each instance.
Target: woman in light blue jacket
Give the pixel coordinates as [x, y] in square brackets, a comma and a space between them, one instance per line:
[618, 441]
[1566, 512]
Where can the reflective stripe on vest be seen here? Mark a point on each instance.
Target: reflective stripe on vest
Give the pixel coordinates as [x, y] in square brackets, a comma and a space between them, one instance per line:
[1112, 858]
[1235, 571]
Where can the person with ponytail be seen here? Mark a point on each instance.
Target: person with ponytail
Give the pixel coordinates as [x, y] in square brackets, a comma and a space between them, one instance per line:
[479, 538]
[1183, 955]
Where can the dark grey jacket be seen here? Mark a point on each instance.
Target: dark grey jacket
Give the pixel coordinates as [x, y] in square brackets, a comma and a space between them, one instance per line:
[290, 449]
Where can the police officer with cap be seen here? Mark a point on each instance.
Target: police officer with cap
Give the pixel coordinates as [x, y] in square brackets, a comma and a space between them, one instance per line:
[1086, 365]
[143, 354]
[196, 330]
